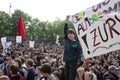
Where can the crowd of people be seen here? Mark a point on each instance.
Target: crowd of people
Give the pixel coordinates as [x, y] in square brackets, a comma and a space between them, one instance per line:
[49, 61]
[46, 63]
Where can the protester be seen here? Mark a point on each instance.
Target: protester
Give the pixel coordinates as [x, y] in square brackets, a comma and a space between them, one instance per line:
[3, 77]
[1, 72]
[72, 52]
[47, 72]
[4, 66]
[56, 74]
[38, 76]
[111, 73]
[88, 76]
[62, 72]
[14, 69]
[103, 70]
[80, 73]
[31, 69]
[26, 58]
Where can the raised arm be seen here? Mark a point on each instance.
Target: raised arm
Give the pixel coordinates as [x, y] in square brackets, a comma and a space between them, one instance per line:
[66, 27]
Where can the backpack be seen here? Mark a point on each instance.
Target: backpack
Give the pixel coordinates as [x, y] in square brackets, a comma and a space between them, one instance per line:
[22, 72]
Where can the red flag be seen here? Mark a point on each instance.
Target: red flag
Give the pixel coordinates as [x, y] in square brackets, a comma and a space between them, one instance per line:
[21, 28]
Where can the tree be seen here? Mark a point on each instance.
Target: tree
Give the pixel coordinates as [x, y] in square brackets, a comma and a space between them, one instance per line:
[33, 28]
[4, 23]
[42, 31]
[14, 21]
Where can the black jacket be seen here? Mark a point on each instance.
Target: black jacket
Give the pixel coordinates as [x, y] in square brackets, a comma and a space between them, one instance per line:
[110, 76]
[17, 77]
[31, 74]
[72, 49]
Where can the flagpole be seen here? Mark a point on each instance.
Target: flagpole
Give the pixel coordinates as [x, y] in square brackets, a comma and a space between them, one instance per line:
[8, 33]
[10, 9]
[8, 27]
[10, 17]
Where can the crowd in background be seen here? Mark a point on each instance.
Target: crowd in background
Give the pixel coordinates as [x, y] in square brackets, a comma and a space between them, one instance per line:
[45, 63]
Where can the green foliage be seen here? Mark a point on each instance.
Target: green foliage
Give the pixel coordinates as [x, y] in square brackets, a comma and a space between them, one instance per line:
[34, 28]
[14, 21]
[4, 21]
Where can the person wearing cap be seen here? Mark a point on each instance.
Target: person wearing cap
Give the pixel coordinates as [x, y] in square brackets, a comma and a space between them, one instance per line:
[72, 52]
[111, 74]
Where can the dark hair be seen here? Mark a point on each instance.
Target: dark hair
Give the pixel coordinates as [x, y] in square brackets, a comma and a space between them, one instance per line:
[46, 69]
[39, 68]
[72, 31]
[5, 58]
[62, 68]
[14, 69]
[56, 74]
[18, 60]
[30, 62]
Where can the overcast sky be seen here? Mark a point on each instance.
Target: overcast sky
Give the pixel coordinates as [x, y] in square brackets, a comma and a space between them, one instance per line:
[48, 9]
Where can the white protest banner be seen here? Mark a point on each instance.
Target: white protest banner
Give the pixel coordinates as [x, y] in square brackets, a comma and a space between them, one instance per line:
[98, 28]
[57, 40]
[31, 44]
[9, 44]
[18, 39]
[4, 42]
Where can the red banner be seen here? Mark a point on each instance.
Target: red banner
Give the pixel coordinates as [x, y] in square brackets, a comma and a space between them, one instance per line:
[21, 28]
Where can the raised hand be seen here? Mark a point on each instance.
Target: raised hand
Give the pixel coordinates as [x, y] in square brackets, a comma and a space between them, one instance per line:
[67, 19]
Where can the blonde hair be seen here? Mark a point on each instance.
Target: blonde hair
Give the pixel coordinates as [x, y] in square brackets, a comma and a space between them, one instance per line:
[1, 72]
[3, 77]
[80, 72]
[80, 69]
[90, 75]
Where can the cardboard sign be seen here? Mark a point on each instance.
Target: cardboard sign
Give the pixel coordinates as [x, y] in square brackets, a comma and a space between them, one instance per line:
[98, 28]
[4, 42]
[31, 44]
[18, 39]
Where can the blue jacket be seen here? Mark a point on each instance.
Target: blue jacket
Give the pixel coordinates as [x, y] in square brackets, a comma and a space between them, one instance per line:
[72, 49]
